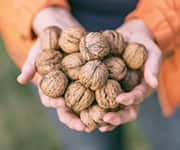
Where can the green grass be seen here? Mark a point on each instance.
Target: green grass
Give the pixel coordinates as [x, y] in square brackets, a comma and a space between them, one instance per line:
[24, 124]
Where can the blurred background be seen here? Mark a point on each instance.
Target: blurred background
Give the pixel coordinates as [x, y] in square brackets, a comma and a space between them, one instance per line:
[24, 122]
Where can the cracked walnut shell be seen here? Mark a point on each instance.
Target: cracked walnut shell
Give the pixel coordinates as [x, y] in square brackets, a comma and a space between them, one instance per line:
[70, 39]
[94, 46]
[72, 64]
[116, 67]
[116, 41]
[49, 38]
[47, 61]
[135, 55]
[106, 96]
[93, 74]
[78, 97]
[54, 84]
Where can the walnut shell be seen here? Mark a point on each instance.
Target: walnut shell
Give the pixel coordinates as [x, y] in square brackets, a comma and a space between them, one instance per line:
[72, 64]
[135, 55]
[49, 38]
[54, 84]
[47, 61]
[97, 114]
[78, 97]
[93, 74]
[93, 117]
[116, 67]
[106, 96]
[116, 41]
[70, 39]
[87, 120]
[94, 46]
[132, 79]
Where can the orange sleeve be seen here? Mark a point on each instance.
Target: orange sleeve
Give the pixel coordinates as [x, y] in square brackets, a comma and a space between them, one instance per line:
[163, 19]
[16, 18]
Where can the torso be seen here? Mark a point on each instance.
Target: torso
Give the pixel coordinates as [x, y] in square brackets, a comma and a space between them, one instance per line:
[101, 14]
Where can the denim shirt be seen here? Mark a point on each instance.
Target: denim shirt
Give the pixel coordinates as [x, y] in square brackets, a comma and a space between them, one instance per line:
[97, 15]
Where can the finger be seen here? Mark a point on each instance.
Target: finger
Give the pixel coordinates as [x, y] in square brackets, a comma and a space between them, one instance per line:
[28, 69]
[152, 66]
[121, 117]
[70, 119]
[51, 102]
[106, 128]
[136, 96]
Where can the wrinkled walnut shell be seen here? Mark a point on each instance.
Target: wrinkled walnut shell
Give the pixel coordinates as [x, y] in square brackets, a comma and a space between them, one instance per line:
[49, 38]
[78, 97]
[70, 39]
[116, 41]
[97, 114]
[54, 84]
[72, 64]
[87, 120]
[47, 61]
[132, 79]
[135, 55]
[93, 117]
[116, 67]
[106, 96]
[93, 74]
[94, 46]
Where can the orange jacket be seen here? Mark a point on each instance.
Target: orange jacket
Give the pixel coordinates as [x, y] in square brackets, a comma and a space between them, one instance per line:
[161, 16]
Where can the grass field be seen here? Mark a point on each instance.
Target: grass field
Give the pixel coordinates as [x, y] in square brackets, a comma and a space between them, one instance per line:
[24, 123]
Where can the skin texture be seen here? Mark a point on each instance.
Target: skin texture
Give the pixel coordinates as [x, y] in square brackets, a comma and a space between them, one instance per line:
[134, 31]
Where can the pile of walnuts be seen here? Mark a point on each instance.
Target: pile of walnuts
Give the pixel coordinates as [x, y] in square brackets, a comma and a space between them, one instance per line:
[89, 69]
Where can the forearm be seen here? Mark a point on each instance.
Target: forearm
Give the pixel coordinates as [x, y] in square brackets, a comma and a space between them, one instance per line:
[54, 16]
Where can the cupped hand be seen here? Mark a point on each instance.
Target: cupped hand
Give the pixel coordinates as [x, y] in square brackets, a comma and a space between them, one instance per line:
[48, 17]
[136, 31]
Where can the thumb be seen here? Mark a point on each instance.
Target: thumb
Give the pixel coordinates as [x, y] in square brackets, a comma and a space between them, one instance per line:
[152, 66]
[28, 69]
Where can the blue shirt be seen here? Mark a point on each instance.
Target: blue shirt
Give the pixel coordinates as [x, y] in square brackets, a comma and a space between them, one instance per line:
[96, 15]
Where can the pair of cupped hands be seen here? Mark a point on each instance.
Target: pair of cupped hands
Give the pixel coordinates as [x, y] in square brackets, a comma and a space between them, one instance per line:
[133, 31]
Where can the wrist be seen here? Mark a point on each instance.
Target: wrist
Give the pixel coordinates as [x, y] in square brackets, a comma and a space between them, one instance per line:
[54, 16]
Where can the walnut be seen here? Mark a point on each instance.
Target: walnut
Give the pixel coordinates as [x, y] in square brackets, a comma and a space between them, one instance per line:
[87, 120]
[94, 46]
[54, 84]
[78, 97]
[97, 114]
[132, 79]
[116, 41]
[106, 96]
[47, 61]
[93, 117]
[49, 38]
[135, 55]
[116, 67]
[93, 74]
[70, 39]
[72, 64]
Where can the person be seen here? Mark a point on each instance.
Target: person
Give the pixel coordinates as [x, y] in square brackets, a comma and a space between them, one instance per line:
[155, 24]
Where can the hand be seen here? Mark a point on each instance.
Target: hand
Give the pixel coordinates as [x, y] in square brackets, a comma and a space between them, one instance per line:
[136, 31]
[52, 16]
